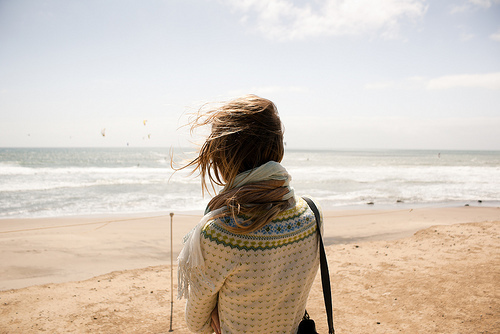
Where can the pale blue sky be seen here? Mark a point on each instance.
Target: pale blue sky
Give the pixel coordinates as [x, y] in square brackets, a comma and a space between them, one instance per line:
[344, 74]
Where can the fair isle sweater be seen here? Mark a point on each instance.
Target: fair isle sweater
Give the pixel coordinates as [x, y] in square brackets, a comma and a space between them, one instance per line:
[260, 280]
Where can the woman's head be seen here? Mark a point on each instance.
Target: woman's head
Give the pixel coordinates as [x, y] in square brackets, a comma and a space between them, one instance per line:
[245, 133]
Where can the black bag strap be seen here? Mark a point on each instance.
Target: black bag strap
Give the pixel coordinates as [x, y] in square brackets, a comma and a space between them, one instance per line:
[325, 275]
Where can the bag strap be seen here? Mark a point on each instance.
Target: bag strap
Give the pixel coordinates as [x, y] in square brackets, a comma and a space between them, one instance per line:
[325, 275]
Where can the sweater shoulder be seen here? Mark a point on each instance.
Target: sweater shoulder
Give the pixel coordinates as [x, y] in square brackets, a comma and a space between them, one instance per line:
[290, 226]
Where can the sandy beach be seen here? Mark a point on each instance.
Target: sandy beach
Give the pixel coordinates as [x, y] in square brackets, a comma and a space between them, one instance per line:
[393, 271]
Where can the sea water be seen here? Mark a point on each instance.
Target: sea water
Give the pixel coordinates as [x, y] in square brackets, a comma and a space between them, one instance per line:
[48, 182]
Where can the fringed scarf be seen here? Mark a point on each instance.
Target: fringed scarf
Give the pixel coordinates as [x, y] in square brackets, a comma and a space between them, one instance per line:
[190, 260]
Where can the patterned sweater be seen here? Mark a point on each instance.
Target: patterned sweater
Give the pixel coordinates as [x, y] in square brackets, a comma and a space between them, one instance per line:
[260, 280]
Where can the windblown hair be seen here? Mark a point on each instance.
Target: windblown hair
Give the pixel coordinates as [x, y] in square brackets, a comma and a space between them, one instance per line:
[245, 134]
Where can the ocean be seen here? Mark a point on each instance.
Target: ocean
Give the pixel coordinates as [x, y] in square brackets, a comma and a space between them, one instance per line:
[50, 182]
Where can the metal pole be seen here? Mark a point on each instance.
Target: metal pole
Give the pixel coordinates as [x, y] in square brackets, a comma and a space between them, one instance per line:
[171, 273]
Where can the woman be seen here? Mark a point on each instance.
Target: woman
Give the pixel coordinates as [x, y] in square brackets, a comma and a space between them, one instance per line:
[248, 266]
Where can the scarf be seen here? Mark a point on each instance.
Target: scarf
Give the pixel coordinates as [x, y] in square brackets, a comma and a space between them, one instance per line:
[271, 170]
[190, 260]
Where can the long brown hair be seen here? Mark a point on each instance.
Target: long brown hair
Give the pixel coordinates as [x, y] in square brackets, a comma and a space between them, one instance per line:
[245, 133]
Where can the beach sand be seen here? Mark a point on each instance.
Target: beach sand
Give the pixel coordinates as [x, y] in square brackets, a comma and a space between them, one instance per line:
[393, 271]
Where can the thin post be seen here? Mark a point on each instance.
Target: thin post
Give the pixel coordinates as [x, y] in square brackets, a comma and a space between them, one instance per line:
[171, 273]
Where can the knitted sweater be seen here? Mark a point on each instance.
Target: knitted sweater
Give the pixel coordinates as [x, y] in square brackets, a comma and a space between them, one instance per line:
[260, 280]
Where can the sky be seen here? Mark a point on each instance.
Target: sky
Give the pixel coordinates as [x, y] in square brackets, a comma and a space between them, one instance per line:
[344, 74]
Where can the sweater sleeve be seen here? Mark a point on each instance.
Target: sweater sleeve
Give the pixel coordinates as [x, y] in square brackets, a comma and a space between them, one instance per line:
[202, 298]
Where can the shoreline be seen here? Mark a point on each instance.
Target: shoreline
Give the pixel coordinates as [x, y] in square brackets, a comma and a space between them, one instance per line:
[368, 206]
[55, 250]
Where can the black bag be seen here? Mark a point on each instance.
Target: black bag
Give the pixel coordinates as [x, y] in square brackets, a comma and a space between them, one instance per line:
[307, 325]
